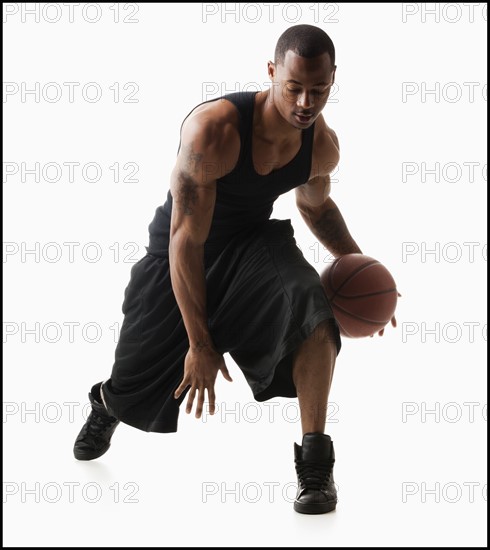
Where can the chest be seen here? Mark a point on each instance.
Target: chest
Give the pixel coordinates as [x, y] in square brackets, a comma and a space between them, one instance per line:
[267, 157]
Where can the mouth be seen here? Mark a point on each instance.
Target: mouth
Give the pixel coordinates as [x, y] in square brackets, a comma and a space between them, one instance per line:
[303, 118]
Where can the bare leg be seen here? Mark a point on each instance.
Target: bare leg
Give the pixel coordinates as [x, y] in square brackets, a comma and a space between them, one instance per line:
[313, 366]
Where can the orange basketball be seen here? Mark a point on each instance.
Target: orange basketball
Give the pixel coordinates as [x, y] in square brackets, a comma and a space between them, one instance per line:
[362, 293]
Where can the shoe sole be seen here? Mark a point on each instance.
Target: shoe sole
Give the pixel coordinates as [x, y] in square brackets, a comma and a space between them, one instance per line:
[320, 508]
[83, 455]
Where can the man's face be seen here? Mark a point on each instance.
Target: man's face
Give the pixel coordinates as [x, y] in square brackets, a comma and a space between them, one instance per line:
[301, 87]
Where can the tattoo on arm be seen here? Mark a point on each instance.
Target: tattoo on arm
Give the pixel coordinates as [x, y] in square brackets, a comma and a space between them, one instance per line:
[332, 231]
[187, 188]
[192, 160]
[186, 194]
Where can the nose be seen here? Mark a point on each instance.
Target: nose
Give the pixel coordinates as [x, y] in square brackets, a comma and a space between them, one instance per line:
[305, 100]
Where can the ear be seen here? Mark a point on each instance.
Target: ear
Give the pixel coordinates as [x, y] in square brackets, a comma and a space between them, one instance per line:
[333, 73]
[271, 70]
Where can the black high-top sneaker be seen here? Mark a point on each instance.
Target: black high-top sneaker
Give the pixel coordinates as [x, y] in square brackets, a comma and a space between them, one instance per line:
[314, 462]
[94, 438]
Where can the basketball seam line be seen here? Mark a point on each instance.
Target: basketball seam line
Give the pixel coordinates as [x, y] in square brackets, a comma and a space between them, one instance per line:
[358, 270]
[377, 293]
[358, 317]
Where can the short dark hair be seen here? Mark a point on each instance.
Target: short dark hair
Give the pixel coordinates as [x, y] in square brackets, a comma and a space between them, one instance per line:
[305, 41]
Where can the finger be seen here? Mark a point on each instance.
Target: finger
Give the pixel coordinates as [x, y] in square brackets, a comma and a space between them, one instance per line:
[393, 321]
[225, 373]
[212, 400]
[381, 332]
[200, 402]
[181, 388]
[190, 400]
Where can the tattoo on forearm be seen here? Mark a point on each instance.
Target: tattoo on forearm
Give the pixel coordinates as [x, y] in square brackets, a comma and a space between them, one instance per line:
[331, 229]
[186, 194]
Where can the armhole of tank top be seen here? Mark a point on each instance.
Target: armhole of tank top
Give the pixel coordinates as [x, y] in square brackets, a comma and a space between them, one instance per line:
[241, 136]
[240, 125]
[248, 109]
[189, 114]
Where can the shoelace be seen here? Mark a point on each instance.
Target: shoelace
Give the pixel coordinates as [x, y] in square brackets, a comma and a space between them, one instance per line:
[98, 423]
[314, 475]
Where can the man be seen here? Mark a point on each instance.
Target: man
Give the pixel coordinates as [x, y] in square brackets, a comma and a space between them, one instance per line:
[220, 276]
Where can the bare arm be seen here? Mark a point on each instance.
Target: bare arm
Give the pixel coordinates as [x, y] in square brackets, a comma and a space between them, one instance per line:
[193, 204]
[324, 218]
[313, 200]
[209, 149]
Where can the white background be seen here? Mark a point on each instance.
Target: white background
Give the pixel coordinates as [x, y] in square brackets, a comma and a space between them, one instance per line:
[191, 487]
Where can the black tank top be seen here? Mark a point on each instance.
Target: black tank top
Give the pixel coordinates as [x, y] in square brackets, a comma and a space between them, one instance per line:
[244, 198]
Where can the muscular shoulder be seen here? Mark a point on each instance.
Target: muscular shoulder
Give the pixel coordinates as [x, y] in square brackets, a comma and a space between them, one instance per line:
[326, 153]
[212, 131]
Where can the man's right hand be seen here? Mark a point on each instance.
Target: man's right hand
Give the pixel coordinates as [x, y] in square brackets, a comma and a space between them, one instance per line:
[200, 371]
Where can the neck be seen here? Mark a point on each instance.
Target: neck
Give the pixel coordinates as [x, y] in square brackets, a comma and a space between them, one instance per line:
[269, 123]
